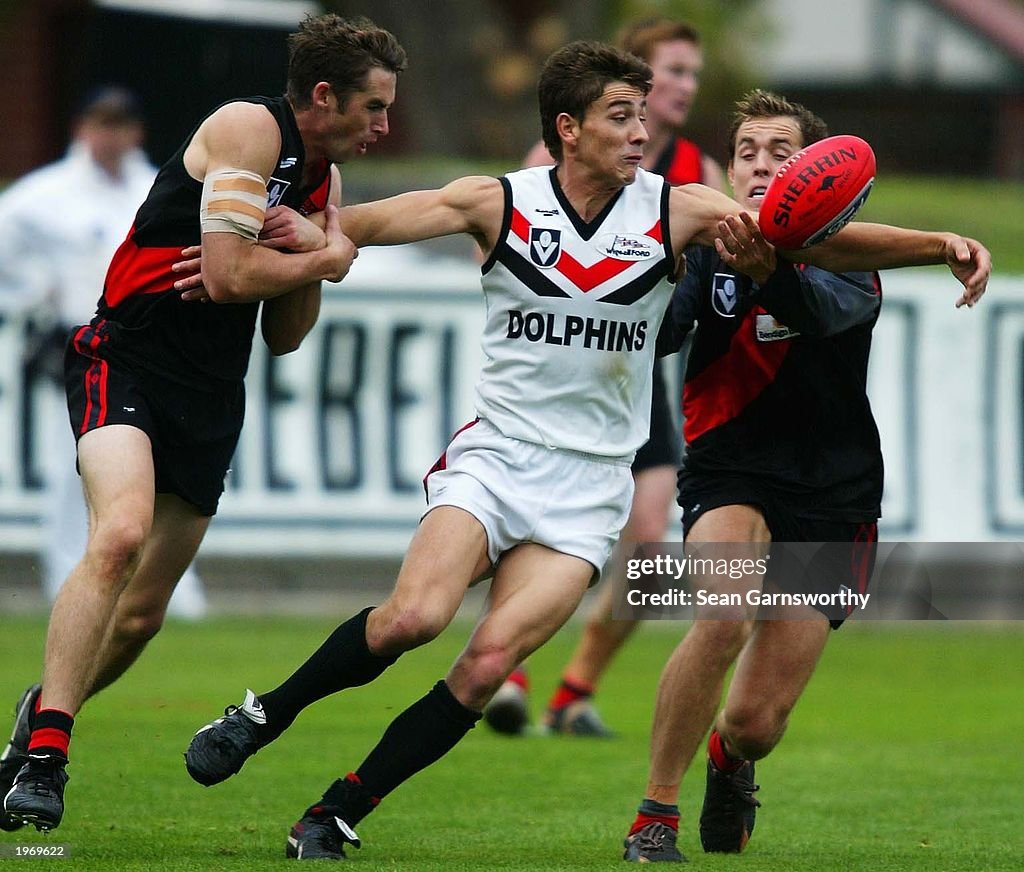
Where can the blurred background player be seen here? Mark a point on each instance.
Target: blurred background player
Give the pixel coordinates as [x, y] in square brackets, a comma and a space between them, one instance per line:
[62, 223]
[791, 454]
[672, 49]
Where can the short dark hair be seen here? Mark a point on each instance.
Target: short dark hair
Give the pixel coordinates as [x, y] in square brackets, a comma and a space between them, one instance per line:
[641, 37]
[329, 48]
[765, 104]
[110, 104]
[575, 76]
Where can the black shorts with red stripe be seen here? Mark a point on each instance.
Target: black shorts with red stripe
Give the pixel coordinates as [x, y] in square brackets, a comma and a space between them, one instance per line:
[847, 562]
[193, 433]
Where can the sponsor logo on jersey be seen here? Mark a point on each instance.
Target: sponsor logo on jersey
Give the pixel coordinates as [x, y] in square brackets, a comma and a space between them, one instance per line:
[601, 334]
[287, 163]
[547, 213]
[275, 191]
[724, 294]
[545, 246]
[627, 246]
[770, 330]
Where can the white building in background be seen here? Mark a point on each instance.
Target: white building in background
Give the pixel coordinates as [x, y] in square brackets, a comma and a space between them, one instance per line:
[907, 74]
[908, 42]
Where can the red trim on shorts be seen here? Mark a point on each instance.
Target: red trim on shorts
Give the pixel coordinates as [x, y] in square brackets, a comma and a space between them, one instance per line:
[442, 461]
[96, 396]
[86, 341]
[862, 556]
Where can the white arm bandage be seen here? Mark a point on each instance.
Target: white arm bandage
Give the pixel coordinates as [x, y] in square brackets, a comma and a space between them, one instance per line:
[233, 201]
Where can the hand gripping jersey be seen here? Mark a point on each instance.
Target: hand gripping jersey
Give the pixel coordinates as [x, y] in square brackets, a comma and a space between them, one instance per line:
[573, 309]
[141, 319]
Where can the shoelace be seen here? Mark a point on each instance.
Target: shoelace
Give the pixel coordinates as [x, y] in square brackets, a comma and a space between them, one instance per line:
[228, 738]
[41, 775]
[652, 837]
[743, 788]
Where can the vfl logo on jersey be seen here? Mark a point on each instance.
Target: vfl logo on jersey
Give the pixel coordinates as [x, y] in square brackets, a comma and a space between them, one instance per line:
[287, 163]
[275, 191]
[724, 294]
[627, 246]
[545, 246]
[768, 329]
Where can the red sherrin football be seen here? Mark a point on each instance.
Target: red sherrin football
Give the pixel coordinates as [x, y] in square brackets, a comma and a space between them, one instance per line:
[817, 191]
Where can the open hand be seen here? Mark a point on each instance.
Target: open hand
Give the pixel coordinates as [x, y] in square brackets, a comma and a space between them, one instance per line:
[742, 246]
[971, 263]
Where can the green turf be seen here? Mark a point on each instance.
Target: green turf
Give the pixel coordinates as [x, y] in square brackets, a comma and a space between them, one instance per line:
[905, 753]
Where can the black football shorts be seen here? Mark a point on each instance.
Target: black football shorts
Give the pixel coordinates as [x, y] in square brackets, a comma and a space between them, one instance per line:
[847, 562]
[193, 432]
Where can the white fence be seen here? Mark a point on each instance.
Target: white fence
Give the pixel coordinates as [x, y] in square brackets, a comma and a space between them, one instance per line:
[339, 434]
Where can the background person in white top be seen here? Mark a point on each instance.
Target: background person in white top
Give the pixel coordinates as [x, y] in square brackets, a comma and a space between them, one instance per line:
[540, 517]
[62, 222]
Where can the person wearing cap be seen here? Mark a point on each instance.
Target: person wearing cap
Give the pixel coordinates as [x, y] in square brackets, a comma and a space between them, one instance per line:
[62, 223]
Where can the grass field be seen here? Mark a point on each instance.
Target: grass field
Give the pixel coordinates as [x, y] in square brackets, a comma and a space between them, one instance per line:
[905, 753]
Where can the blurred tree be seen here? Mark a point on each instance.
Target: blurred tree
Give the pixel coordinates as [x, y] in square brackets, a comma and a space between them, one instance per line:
[470, 90]
[471, 86]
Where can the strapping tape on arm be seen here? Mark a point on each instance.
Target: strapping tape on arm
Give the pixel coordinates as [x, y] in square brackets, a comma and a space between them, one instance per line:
[233, 201]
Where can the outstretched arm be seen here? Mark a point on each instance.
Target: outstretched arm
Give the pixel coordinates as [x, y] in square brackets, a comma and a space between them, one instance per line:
[864, 247]
[472, 205]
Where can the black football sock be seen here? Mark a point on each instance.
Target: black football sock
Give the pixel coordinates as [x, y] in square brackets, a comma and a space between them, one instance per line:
[347, 798]
[419, 736]
[344, 660]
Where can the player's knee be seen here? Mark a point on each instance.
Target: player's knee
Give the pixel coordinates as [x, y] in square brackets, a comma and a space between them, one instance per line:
[753, 730]
[481, 672]
[397, 630]
[115, 547]
[137, 628]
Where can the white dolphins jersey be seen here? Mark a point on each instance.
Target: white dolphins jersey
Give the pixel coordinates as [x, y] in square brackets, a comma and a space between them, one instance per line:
[573, 311]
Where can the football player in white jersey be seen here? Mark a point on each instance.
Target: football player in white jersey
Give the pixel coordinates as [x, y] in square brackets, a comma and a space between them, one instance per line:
[529, 493]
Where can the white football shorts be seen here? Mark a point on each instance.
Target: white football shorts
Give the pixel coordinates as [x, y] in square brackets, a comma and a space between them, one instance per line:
[524, 492]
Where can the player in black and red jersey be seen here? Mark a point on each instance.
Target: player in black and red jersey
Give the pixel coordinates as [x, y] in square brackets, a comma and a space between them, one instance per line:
[781, 446]
[154, 382]
[672, 49]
